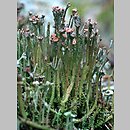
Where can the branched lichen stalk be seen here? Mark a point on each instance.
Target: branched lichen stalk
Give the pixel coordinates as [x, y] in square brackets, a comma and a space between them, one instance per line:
[68, 91]
[51, 102]
[93, 107]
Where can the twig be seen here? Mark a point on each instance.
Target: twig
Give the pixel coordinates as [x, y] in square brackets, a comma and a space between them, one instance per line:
[34, 125]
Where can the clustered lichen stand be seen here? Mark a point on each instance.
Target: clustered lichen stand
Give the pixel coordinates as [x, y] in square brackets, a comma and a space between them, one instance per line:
[59, 75]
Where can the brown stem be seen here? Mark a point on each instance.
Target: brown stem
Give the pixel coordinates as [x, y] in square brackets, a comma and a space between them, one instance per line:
[77, 80]
[20, 101]
[34, 125]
